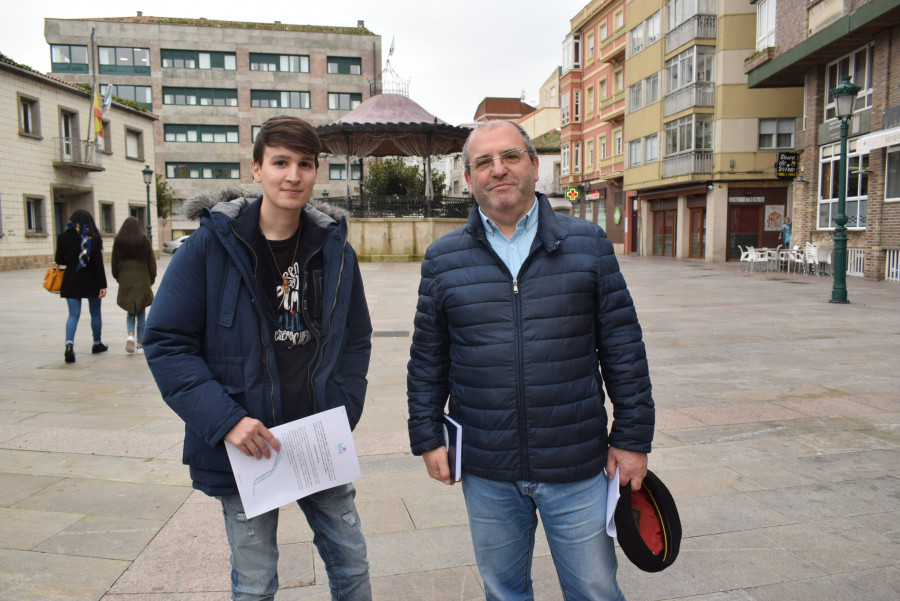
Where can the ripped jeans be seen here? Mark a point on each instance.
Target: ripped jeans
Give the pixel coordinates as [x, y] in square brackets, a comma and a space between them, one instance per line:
[337, 534]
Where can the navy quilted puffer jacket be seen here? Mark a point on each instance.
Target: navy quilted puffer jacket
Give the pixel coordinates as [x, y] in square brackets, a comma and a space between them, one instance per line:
[523, 361]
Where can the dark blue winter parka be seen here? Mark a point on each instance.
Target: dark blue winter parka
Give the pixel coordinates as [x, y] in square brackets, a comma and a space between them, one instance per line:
[523, 360]
[209, 344]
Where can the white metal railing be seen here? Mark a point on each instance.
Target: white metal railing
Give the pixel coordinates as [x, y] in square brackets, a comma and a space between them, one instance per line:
[687, 162]
[699, 26]
[77, 152]
[856, 262]
[892, 265]
[701, 93]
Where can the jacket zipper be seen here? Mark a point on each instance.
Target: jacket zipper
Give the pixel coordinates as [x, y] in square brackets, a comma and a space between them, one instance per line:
[261, 313]
[320, 346]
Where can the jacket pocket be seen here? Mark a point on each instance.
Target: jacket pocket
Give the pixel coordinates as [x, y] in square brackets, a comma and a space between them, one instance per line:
[231, 286]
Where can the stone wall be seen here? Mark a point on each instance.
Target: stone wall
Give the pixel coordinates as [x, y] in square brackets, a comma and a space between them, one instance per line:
[397, 239]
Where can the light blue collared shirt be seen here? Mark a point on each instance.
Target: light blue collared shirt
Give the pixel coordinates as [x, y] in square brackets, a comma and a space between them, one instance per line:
[513, 251]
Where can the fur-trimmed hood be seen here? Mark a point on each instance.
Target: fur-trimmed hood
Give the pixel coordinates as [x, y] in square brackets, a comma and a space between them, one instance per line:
[232, 199]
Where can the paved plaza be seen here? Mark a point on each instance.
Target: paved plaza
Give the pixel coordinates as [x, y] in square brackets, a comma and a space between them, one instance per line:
[778, 433]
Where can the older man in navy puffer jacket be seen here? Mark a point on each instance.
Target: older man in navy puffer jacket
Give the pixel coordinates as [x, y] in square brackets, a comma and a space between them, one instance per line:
[523, 316]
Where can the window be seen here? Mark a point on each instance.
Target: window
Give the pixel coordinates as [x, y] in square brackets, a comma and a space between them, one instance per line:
[857, 186]
[576, 111]
[339, 171]
[564, 109]
[343, 101]
[193, 59]
[107, 218]
[603, 31]
[140, 94]
[689, 133]
[653, 28]
[34, 215]
[620, 19]
[134, 144]
[68, 59]
[287, 63]
[571, 52]
[776, 133]
[590, 46]
[693, 65]
[651, 89]
[576, 158]
[617, 136]
[564, 158]
[765, 24]
[104, 143]
[636, 96]
[858, 65]
[29, 116]
[619, 77]
[69, 136]
[203, 170]
[603, 153]
[892, 175]
[651, 148]
[344, 65]
[275, 99]
[589, 160]
[590, 99]
[201, 133]
[603, 91]
[120, 60]
[637, 39]
[254, 131]
[200, 96]
[634, 152]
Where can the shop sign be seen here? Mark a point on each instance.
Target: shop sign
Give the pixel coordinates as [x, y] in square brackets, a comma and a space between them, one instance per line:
[617, 215]
[747, 199]
[596, 195]
[572, 194]
[786, 165]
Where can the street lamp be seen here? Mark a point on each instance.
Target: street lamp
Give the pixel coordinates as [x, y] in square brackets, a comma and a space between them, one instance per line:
[148, 177]
[844, 97]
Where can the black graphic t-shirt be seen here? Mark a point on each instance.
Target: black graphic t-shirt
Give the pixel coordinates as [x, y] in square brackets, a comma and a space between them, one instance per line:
[295, 313]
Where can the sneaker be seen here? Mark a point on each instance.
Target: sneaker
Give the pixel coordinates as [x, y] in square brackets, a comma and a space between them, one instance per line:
[70, 353]
[139, 350]
[129, 345]
[99, 347]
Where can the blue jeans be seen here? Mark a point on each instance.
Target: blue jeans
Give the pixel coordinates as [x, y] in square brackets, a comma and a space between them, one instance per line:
[132, 319]
[503, 522]
[337, 534]
[75, 314]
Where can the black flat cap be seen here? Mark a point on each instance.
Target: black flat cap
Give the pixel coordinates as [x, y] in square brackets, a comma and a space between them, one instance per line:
[647, 525]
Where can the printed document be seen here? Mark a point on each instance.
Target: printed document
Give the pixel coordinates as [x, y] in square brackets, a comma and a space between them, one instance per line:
[317, 452]
[612, 499]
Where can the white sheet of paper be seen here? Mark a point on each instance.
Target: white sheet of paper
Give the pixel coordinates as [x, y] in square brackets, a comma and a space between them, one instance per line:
[612, 499]
[317, 452]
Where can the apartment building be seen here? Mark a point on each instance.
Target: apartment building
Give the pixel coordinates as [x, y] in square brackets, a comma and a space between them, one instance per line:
[701, 148]
[213, 83]
[592, 111]
[814, 45]
[51, 164]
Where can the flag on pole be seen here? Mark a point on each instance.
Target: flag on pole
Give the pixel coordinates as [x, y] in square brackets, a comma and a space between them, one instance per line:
[391, 51]
[98, 115]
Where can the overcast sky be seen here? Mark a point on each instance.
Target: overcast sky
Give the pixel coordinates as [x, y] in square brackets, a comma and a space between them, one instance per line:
[454, 53]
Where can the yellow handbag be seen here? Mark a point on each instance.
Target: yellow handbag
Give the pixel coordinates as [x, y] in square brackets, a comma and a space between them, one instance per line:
[53, 279]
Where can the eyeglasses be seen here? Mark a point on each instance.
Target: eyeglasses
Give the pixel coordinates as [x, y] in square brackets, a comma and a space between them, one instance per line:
[510, 158]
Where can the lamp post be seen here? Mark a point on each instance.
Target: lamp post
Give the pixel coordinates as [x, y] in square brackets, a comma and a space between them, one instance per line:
[844, 97]
[148, 177]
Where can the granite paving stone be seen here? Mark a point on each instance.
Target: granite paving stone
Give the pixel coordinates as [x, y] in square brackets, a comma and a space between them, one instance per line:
[778, 432]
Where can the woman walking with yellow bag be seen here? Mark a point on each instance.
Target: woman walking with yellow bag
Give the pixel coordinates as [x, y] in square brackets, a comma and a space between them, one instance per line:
[80, 249]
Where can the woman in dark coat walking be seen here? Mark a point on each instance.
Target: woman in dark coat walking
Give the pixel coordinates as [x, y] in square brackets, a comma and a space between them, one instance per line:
[80, 249]
[134, 267]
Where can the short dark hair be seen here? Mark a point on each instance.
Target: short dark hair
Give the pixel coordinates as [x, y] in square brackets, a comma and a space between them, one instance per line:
[526, 139]
[290, 132]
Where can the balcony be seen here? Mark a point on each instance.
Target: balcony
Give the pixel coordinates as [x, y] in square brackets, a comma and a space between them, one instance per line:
[702, 93]
[687, 163]
[698, 26]
[77, 154]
